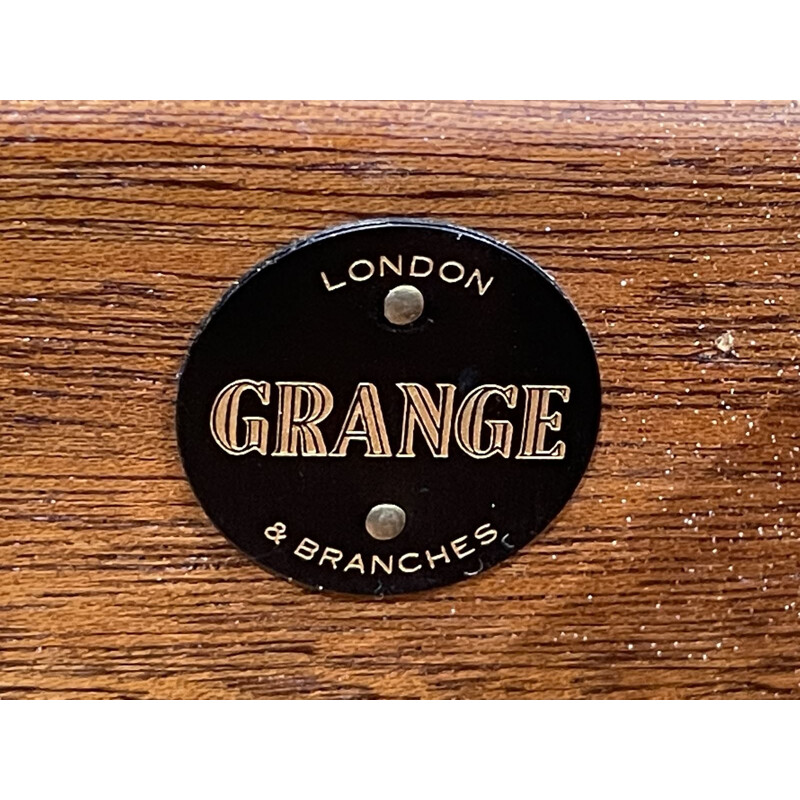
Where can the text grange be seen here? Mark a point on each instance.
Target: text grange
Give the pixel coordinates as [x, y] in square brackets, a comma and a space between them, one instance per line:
[433, 420]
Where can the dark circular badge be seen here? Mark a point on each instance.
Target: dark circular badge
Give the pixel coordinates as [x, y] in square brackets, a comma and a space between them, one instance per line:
[388, 406]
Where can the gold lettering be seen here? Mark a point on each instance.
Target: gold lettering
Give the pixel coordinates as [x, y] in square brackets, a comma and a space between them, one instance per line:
[551, 422]
[403, 567]
[420, 267]
[331, 554]
[225, 419]
[384, 262]
[304, 406]
[306, 549]
[458, 546]
[433, 559]
[364, 421]
[470, 421]
[538, 421]
[356, 562]
[434, 421]
[459, 272]
[413, 272]
[528, 443]
[387, 568]
[482, 287]
[364, 275]
[327, 284]
[485, 534]
[298, 428]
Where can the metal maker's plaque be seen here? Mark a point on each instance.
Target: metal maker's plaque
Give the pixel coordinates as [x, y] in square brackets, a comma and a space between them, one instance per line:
[388, 406]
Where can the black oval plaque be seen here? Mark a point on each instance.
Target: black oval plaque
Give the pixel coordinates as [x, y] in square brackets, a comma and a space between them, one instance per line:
[388, 406]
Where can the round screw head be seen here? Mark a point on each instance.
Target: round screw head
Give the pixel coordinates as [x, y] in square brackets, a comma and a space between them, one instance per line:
[403, 305]
[385, 521]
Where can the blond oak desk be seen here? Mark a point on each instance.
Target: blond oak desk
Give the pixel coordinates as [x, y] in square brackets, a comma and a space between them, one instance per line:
[672, 573]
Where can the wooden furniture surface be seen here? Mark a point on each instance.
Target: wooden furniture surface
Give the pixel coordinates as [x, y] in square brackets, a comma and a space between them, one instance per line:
[674, 227]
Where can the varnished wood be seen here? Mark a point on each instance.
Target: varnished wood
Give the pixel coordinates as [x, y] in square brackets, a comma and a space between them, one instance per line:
[672, 573]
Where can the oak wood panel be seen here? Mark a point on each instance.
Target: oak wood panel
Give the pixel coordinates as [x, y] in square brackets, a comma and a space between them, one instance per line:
[672, 573]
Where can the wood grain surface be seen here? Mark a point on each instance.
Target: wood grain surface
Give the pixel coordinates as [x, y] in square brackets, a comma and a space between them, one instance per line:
[673, 572]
